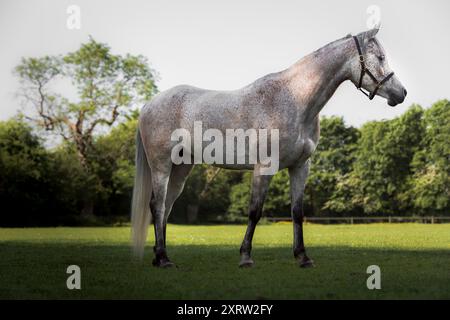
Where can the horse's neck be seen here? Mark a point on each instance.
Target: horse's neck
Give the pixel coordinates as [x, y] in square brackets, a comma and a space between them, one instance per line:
[315, 78]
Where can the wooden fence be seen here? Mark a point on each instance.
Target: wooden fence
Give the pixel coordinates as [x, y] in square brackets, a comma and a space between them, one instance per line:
[353, 220]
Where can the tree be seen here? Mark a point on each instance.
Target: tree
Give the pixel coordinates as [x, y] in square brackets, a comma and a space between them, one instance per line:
[429, 185]
[22, 162]
[332, 160]
[378, 182]
[113, 164]
[31, 188]
[106, 86]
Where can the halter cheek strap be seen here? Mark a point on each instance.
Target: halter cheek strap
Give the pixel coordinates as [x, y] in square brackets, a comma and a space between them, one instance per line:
[364, 71]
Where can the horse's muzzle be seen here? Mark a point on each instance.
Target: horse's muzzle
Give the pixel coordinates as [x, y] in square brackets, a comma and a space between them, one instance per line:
[397, 99]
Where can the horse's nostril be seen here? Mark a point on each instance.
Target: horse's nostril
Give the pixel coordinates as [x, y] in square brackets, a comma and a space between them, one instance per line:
[404, 92]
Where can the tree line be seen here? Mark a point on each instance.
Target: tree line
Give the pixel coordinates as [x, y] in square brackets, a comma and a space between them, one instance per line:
[390, 167]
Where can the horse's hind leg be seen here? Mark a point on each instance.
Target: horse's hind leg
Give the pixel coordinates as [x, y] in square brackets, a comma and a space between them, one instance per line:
[160, 180]
[177, 179]
[260, 185]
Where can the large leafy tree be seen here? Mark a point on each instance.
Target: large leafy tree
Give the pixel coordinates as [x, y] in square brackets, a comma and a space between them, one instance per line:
[429, 187]
[332, 160]
[23, 161]
[378, 182]
[29, 177]
[113, 164]
[104, 88]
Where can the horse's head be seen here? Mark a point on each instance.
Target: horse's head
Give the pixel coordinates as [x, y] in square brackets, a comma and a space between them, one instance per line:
[371, 71]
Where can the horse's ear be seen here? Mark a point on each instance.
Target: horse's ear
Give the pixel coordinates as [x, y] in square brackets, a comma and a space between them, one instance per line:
[372, 32]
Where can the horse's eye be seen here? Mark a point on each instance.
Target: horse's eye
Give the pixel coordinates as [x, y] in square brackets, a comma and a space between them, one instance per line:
[381, 58]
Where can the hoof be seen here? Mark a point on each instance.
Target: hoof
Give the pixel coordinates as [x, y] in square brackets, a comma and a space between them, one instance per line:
[247, 263]
[306, 263]
[163, 263]
[167, 264]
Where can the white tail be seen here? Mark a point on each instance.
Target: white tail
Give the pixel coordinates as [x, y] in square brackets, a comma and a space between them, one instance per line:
[140, 207]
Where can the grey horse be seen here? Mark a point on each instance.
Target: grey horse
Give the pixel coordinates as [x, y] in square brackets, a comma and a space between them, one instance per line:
[289, 100]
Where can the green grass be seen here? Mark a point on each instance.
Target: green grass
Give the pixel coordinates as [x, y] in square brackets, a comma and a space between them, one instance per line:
[414, 261]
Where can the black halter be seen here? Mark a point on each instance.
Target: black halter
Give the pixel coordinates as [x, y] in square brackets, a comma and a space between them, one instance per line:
[364, 70]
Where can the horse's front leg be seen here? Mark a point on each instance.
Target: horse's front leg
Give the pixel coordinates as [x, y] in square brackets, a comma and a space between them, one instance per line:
[298, 176]
[260, 185]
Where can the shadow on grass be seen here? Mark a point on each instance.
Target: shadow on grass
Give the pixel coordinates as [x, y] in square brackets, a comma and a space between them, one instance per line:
[38, 271]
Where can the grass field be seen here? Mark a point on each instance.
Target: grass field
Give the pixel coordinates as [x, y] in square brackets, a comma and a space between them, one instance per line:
[414, 261]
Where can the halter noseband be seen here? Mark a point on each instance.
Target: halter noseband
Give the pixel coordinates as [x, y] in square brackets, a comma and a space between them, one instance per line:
[364, 70]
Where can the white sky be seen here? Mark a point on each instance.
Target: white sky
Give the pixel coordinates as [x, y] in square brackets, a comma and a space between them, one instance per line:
[228, 44]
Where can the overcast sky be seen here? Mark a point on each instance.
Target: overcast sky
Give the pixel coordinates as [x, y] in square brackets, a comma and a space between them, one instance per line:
[228, 44]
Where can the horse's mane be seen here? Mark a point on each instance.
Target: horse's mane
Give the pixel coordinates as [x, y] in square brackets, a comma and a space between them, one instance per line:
[332, 44]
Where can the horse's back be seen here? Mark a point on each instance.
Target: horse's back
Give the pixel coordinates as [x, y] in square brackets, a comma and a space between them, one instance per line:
[173, 97]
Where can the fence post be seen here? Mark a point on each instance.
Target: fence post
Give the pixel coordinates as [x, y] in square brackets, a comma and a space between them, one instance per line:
[390, 219]
[432, 219]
